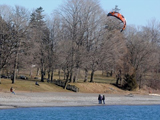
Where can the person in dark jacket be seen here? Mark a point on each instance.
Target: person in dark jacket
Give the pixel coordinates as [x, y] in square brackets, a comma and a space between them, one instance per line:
[103, 99]
[100, 99]
[36, 83]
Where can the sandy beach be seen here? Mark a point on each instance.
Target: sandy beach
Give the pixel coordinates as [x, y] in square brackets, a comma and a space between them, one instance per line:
[50, 99]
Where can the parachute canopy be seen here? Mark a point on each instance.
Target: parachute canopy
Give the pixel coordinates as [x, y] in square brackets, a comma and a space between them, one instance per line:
[120, 17]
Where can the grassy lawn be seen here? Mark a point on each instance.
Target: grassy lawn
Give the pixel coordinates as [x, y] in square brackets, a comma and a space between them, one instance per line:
[29, 85]
[98, 78]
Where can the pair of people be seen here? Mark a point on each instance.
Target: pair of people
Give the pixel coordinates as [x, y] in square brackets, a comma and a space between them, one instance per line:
[101, 99]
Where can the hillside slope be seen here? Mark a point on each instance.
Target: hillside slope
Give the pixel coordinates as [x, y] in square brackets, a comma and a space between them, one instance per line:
[29, 86]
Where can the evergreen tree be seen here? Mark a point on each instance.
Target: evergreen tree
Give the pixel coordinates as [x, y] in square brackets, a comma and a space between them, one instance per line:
[130, 82]
[39, 37]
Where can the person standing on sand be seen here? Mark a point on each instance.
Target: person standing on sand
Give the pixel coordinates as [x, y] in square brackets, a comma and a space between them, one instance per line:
[103, 99]
[12, 90]
[100, 99]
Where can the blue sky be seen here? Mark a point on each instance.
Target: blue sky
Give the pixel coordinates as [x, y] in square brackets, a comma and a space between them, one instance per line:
[136, 12]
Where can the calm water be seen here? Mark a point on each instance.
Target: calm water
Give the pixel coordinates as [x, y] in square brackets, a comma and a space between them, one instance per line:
[117, 112]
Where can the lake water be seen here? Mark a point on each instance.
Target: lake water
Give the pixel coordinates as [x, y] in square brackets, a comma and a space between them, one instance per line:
[113, 112]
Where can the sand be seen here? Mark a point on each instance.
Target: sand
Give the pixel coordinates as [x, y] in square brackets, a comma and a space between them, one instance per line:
[50, 99]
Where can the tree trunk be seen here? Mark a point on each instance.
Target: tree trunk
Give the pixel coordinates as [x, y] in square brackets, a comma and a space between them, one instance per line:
[16, 62]
[66, 82]
[42, 74]
[76, 75]
[49, 75]
[140, 81]
[117, 81]
[111, 73]
[37, 72]
[15, 69]
[86, 75]
[14, 76]
[0, 75]
[64, 74]
[70, 79]
[52, 74]
[59, 74]
[92, 76]
[119, 77]
[30, 72]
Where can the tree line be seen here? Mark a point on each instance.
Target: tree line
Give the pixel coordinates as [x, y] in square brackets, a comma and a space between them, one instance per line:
[77, 36]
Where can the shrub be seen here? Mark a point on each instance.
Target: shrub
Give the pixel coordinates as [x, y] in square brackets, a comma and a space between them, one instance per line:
[130, 82]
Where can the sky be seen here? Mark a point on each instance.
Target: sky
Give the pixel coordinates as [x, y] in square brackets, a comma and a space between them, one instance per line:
[136, 12]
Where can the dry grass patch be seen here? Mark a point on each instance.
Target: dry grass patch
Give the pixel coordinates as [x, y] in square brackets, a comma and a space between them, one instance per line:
[29, 86]
[97, 88]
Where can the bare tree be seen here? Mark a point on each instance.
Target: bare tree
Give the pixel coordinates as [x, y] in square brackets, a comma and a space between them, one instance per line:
[113, 51]
[82, 20]
[6, 46]
[19, 23]
[141, 52]
[55, 30]
[16, 22]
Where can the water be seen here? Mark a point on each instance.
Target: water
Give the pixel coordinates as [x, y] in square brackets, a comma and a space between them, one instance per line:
[114, 112]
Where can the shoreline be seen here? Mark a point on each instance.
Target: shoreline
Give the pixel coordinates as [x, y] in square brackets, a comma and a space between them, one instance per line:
[66, 99]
